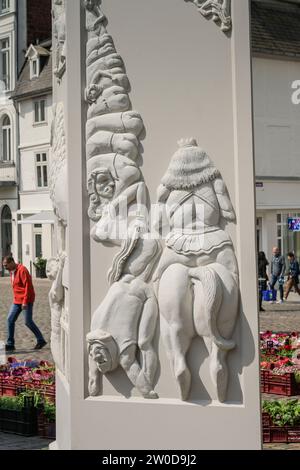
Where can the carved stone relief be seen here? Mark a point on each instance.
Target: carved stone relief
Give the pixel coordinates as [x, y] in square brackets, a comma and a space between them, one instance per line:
[198, 260]
[218, 10]
[200, 264]
[123, 326]
[59, 31]
[57, 268]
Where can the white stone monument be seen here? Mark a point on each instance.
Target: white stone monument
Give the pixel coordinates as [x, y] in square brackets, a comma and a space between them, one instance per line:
[154, 302]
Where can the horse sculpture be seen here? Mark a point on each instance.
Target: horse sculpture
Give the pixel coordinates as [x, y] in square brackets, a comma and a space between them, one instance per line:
[199, 263]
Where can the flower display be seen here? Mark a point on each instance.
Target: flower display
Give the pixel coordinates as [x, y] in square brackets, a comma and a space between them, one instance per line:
[30, 375]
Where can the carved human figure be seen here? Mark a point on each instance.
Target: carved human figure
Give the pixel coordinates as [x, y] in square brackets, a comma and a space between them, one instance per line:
[127, 316]
[59, 30]
[199, 263]
[115, 186]
[54, 271]
[59, 196]
[123, 326]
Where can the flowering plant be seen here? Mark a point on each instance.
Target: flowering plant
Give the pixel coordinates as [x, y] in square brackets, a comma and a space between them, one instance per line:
[283, 412]
[40, 263]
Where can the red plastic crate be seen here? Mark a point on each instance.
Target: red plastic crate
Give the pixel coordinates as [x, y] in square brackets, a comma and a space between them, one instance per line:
[284, 434]
[9, 390]
[279, 384]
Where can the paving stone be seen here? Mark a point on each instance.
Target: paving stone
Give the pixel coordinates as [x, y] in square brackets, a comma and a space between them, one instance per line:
[25, 342]
[24, 338]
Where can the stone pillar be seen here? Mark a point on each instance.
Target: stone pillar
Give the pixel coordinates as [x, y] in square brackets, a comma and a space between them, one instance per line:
[190, 79]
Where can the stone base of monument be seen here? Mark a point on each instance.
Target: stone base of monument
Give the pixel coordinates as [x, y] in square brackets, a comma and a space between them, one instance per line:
[163, 352]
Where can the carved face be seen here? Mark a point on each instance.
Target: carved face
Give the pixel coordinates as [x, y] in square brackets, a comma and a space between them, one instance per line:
[92, 93]
[90, 4]
[104, 184]
[102, 357]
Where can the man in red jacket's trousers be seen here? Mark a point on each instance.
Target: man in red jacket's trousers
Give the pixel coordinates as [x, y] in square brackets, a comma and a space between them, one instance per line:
[24, 297]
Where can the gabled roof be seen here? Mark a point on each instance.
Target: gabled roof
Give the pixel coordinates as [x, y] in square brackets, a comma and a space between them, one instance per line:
[35, 50]
[275, 28]
[27, 87]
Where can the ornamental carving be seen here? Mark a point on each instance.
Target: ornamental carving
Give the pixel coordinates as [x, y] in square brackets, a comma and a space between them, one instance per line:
[123, 326]
[218, 10]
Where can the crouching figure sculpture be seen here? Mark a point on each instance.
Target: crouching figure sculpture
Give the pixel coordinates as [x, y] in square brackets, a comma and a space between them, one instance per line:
[124, 323]
[199, 263]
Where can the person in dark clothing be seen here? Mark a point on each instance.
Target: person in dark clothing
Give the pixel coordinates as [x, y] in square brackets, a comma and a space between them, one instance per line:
[293, 276]
[262, 277]
[277, 271]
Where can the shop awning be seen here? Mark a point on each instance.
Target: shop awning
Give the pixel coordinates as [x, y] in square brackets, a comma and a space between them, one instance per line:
[43, 217]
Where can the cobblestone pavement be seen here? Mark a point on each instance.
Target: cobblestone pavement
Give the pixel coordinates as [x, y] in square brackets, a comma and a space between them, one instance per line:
[25, 342]
[14, 442]
[24, 339]
[285, 317]
[282, 317]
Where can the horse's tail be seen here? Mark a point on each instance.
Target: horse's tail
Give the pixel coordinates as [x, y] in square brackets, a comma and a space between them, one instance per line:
[213, 295]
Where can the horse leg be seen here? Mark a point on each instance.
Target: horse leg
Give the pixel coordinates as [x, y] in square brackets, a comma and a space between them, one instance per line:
[177, 344]
[219, 371]
[215, 300]
[181, 343]
[177, 322]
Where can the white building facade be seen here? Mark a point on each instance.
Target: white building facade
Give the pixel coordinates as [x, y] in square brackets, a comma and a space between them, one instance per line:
[276, 66]
[33, 98]
[11, 45]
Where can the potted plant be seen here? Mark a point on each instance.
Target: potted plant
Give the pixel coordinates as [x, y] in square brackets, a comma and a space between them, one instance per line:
[18, 415]
[40, 266]
[49, 416]
[281, 421]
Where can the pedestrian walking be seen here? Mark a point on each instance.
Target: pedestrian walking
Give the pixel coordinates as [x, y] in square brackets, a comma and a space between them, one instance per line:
[262, 277]
[293, 275]
[24, 297]
[277, 272]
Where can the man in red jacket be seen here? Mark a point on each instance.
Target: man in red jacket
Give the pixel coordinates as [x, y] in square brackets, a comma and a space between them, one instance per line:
[24, 297]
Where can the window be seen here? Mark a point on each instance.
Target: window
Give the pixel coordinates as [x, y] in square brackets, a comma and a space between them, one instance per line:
[40, 111]
[5, 62]
[41, 162]
[6, 231]
[34, 68]
[287, 240]
[5, 6]
[38, 244]
[6, 139]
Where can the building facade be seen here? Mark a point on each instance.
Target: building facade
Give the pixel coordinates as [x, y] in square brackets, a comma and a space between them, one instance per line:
[20, 23]
[33, 100]
[11, 45]
[26, 114]
[276, 66]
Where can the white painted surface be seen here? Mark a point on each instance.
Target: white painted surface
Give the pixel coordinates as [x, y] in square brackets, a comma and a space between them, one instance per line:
[34, 138]
[218, 113]
[276, 118]
[279, 195]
